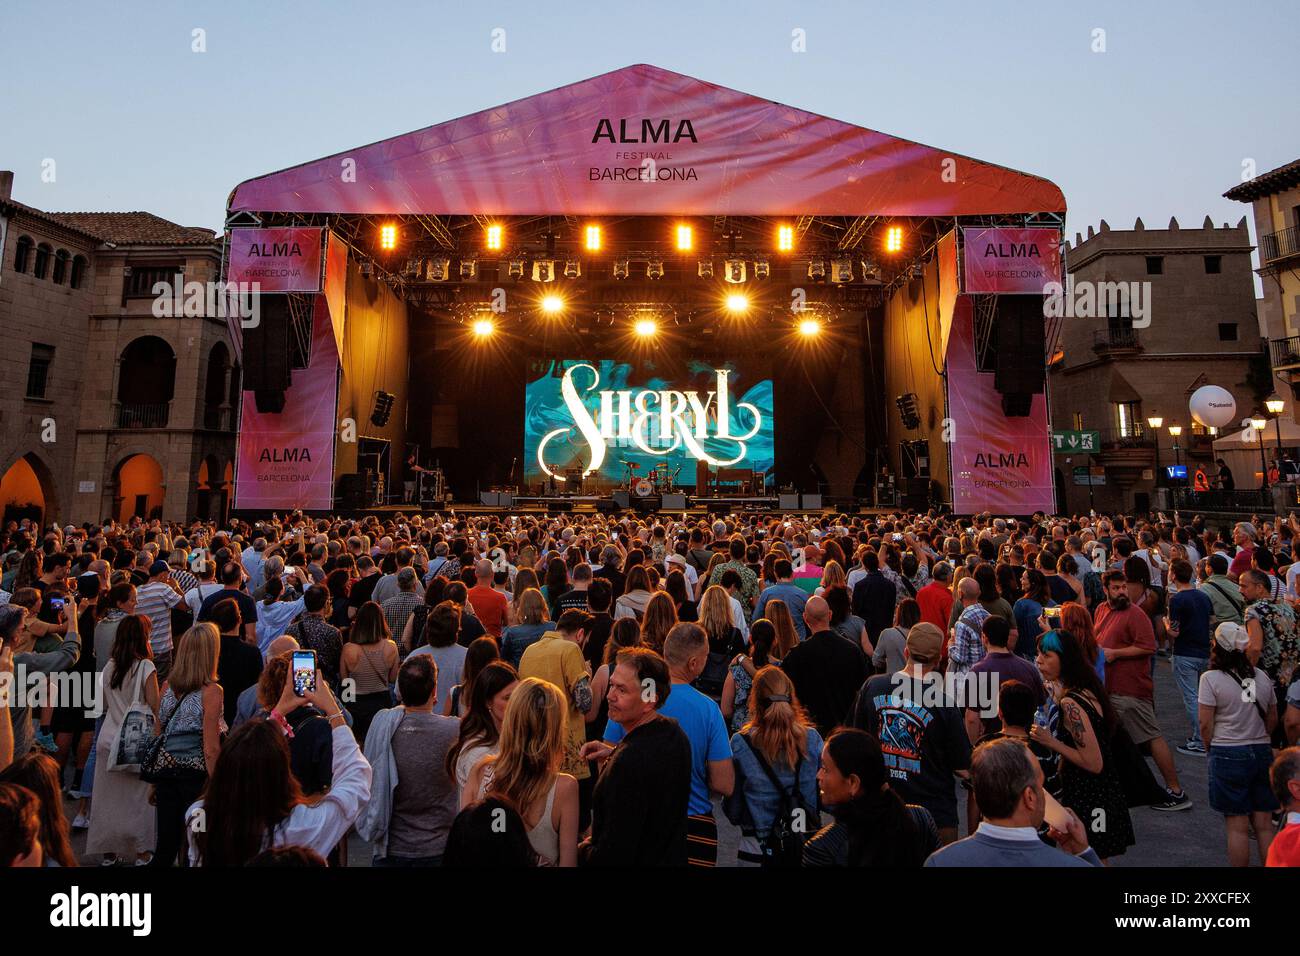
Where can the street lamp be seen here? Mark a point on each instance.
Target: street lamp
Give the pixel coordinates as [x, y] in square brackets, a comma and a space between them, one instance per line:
[1155, 421]
[1174, 432]
[1259, 425]
[1275, 406]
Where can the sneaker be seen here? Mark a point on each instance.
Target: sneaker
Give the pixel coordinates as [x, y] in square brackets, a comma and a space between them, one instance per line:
[109, 860]
[1193, 748]
[144, 860]
[45, 741]
[81, 822]
[1175, 801]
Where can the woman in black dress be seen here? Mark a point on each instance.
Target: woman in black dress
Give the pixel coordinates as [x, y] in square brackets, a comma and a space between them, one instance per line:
[1089, 784]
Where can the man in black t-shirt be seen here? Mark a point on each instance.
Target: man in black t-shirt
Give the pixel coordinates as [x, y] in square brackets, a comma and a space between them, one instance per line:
[921, 730]
[231, 579]
[1226, 481]
[827, 669]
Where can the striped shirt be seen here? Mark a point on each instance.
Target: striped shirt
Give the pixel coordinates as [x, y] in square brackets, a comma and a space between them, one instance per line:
[155, 600]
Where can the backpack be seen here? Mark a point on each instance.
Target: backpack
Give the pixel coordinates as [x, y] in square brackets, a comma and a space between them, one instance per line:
[714, 676]
[783, 845]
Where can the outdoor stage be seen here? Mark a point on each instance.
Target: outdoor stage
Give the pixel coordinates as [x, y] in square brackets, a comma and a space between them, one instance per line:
[494, 503]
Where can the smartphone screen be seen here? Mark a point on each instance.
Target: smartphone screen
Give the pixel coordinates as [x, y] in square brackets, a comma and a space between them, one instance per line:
[304, 672]
[57, 603]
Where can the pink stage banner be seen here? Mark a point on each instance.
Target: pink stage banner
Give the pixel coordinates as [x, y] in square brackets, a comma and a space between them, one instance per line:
[1000, 464]
[279, 260]
[1010, 261]
[286, 460]
[336, 285]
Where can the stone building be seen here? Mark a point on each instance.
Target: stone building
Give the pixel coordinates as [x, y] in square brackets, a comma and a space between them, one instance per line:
[1157, 313]
[112, 405]
[1275, 201]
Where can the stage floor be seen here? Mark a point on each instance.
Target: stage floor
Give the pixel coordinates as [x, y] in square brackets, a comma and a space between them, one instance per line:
[594, 504]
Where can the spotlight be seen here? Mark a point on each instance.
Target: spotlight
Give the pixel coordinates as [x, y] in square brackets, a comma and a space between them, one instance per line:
[468, 268]
[572, 268]
[620, 268]
[735, 270]
[762, 269]
[841, 270]
[484, 328]
[705, 269]
[784, 238]
[495, 237]
[544, 270]
[388, 237]
[516, 269]
[685, 238]
[552, 304]
[817, 270]
[645, 328]
[894, 239]
[870, 270]
[736, 302]
[593, 238]
[654, 269]
[438, 270]
[367, 267]
[809, 327]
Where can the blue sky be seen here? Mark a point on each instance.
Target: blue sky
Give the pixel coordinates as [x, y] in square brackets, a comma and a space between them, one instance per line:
[1159, 124]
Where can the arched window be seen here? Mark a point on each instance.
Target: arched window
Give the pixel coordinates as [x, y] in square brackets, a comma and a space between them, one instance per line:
[42, 261]
[22, 253]
[78, 272]
[60, 266]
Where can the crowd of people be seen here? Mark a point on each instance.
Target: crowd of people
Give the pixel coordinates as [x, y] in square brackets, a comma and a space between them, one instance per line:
[595, 690]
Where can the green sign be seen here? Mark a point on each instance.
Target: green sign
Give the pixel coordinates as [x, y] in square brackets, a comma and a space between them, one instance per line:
[1066, 442]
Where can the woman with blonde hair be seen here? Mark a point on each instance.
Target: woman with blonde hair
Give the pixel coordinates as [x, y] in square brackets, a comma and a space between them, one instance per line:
[787, 636]
[525, 771]
[660, 618]
[777, 753]
[725, 640]
[531, 618]
[525, 580]
[191, 721]
[832, 576]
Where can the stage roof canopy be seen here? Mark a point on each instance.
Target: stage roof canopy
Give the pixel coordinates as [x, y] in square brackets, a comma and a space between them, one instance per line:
[646, 141]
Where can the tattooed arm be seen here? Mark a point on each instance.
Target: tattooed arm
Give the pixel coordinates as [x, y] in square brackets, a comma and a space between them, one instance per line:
[582, 696]
[1086, 752]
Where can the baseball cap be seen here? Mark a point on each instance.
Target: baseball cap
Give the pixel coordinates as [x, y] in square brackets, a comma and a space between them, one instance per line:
[1231, 637]
[924, 643]
[159, 567]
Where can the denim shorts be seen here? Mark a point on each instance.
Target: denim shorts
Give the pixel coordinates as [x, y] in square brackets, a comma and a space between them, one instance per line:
[1239, 779]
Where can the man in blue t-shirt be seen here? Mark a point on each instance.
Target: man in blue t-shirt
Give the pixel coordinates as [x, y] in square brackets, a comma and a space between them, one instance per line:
[686, 649]
[785, 590]
[1190, 610]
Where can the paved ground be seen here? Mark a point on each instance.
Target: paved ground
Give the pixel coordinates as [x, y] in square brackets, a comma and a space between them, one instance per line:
[1189, 838]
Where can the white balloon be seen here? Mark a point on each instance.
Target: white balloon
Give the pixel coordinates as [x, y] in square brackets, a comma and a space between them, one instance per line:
[1212, 406]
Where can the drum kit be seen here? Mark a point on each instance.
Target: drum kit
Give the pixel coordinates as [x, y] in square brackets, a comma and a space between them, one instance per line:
[658, 481]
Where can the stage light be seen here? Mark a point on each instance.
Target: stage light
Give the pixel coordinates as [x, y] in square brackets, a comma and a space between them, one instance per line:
[552, 304]
[495, 237]
[468, 268]
[894, 239]
[645, 328]
[870, 271]
[413, 267]
[735, 271]
[654, 269]
[544, 270]
[593, 238]
[516, 269]
[737, 302]
[809, 328]
[438, 270]
[762, 269]
[841, 270]
[620, 268]
[817, 270]
[685, 238]
[705, 269]
[785, 238]
[572, 268]
[484, 328]
[388, 237]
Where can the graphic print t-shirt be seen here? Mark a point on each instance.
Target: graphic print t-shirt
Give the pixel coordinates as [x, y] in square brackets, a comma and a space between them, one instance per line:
[922, 735]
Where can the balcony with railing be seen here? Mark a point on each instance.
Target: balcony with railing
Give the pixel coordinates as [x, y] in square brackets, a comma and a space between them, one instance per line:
[1276, 246]
[1116, 339]
[1284, 353]
[131, 415]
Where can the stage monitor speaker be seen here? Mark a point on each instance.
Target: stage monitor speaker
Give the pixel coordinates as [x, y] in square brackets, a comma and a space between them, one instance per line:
[489, 499]
[352, 491]
[674, 503]
[266, 348]
[812, 502]
[1020, 337]
[505, 500]
[915, 493]
[788, 502]
[622, 500]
